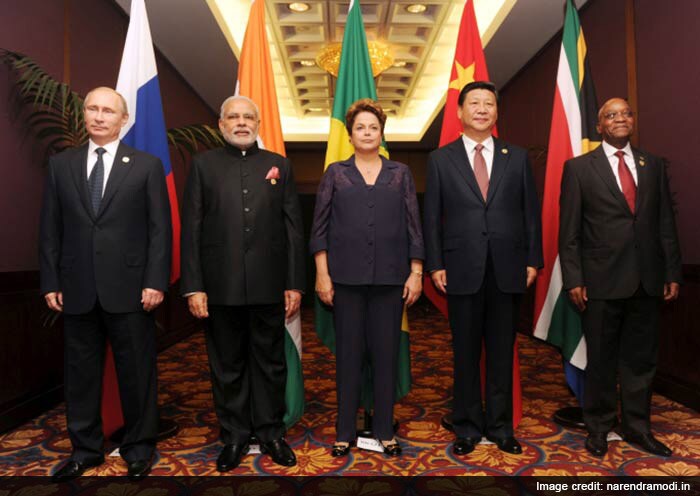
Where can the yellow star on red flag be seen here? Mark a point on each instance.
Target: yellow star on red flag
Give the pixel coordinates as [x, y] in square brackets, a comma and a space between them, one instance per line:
[465, 75]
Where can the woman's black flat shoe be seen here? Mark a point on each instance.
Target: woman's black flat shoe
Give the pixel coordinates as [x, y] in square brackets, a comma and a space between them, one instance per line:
[392, 449]
[341, 450]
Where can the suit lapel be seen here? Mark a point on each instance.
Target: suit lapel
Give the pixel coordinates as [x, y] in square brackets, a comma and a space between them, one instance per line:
[640, 162]
[500, 162]
[351, 171]
[123, 162]
[460, 162]
[386, 174]
[601, 166]
[78, 168]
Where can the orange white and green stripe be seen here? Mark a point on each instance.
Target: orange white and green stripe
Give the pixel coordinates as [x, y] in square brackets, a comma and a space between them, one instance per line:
[572, 133]
[355, 81]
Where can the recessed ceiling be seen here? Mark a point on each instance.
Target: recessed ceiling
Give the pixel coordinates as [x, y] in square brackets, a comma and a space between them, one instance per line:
[422, 43]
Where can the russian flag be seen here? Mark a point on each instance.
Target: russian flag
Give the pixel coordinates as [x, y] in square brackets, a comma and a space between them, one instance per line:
[145, 130]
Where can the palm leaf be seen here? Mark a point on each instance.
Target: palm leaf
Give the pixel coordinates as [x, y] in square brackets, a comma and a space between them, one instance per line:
[55, 112]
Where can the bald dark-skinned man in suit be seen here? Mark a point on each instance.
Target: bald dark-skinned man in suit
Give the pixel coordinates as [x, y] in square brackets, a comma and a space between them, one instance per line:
[483, 245]
[104, 257]
[620, 258]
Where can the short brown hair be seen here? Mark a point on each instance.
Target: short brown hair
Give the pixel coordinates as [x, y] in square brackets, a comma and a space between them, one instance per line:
[364, 105]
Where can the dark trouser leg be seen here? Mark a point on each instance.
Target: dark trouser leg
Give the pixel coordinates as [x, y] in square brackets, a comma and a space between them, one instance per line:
[602, 321]
[349, 314]
[501, 317]
[267, 369]
[84, 348]
[384, 309]
[133, 340]
[227, 336]
[637, 367]
[466, 323]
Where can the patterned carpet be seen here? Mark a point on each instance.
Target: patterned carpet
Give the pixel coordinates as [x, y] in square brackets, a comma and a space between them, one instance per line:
[548, 449]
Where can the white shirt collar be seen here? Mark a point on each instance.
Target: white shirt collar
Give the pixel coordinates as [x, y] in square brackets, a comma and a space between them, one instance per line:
[111, 148]
[471, 144]
[610, 150]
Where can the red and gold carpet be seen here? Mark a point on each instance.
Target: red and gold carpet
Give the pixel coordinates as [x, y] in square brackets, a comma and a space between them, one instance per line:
[548, 449]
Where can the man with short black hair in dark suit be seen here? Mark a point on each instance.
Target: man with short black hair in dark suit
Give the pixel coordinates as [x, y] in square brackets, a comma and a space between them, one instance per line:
[104, 248]
[483, 245]
[620, 257]
[243, 268]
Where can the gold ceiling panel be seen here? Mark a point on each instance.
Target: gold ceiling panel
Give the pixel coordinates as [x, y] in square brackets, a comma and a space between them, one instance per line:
[412, 90]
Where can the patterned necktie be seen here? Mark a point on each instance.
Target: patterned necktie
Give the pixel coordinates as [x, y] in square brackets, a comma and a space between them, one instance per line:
[480, 171]
[96, 180]
[629, 189]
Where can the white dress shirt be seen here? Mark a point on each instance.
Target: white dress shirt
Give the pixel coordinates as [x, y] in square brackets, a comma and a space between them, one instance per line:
[486, 151]
[107, 158]
[610, 152]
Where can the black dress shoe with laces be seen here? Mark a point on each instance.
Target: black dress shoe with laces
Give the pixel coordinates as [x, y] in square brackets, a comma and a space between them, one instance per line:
[138, 469]
[74, 469]
[341, 449]
[464, 445]
[649, 443]
[280, 452]
[508, 444]
[597, 444]
[231, 456]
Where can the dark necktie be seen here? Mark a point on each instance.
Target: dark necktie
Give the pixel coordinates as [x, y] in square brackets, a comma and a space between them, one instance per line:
[96, 180]
[480, 171]
[629, 189]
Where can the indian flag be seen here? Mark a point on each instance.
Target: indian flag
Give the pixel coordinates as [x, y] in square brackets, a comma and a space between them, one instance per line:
[573, 132]
[355, 81]
[256, 81]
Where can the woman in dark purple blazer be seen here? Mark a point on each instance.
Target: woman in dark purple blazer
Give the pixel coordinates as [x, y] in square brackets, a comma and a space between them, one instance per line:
[368, 246]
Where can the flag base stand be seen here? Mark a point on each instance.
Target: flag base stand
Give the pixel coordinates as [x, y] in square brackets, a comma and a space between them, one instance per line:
[167, 428]
[570, 416]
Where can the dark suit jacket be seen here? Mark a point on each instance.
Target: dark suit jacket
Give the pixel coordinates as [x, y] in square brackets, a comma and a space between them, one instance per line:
[242, 235]
[113, 255]
[371, 233]
[461, 228]
[602, 244]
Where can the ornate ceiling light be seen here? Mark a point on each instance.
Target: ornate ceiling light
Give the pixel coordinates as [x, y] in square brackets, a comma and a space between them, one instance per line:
[380, 56]
[298, 6]
[416, 8]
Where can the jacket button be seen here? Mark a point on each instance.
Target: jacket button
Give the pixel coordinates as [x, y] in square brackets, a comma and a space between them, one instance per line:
[247, 229]
[246, 209]
[245, 191]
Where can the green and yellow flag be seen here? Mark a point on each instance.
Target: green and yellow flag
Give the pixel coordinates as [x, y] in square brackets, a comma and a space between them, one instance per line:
[355, 81]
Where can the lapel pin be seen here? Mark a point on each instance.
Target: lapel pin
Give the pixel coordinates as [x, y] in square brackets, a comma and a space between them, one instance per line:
[642, 163]
[125, 160]
[504, 150]
[273, 181]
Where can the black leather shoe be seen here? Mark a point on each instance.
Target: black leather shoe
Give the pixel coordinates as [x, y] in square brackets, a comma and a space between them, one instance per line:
[138, 469]
[393, 448]
[280, 452]
[597, 444]
[464, 445]
[231, 456]
[341, 449]
[649, 443]
[508, 444]
[72, 469]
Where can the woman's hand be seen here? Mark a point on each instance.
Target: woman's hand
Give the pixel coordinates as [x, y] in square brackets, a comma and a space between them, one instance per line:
[324, 288]
[412, 288]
